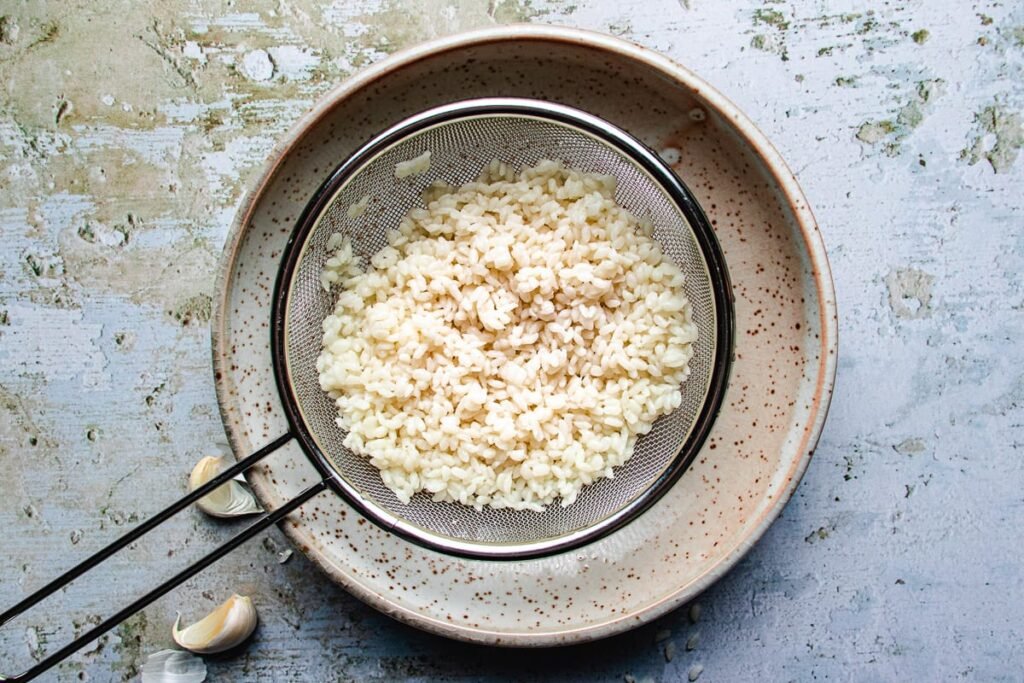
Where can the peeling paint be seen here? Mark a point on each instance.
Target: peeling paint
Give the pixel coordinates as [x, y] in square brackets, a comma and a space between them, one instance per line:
[131, 634]
[9, 30]
[910, 446]
[771, 17]
[998, 138]
[256, 66]
[821, 533]
[874, 131]
[16, 417]
[910, 293]
[511, 11]
[774, 24]
[198, 308]
[909, 116]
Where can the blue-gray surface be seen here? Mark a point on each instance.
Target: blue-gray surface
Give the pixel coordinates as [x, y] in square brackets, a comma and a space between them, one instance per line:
[127, 134]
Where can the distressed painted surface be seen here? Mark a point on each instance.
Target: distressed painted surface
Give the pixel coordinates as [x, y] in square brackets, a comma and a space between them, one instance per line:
[127, 135]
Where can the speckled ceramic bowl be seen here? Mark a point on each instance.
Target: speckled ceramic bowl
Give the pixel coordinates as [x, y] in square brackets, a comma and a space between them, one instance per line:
[773, 411]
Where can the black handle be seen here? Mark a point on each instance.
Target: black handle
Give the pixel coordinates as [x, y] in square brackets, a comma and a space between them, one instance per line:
[141, 530]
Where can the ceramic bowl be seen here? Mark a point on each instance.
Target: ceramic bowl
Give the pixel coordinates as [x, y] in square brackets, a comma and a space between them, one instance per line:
[773, 410]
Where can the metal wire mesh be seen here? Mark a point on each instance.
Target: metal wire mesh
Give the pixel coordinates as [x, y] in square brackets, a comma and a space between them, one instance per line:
[460, 148]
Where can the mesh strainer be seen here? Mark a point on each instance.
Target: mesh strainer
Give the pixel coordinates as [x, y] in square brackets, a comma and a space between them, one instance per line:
[463, 138]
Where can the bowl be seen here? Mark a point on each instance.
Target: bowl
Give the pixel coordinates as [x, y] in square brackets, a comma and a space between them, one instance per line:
[773, 410]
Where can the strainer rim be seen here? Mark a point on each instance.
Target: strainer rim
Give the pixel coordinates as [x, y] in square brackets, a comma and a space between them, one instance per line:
[648, 161]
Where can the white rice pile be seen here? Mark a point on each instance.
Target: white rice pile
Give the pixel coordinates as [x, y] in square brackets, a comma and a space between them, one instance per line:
[510, 343]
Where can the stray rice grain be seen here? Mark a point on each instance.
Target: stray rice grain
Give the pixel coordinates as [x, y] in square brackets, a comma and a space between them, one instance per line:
[415, 166]
[359, 208]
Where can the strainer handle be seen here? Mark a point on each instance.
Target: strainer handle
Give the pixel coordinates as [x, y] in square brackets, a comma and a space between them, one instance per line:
[141, 530]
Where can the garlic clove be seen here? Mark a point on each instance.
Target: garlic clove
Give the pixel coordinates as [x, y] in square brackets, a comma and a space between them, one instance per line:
[231, 499]
[222, 629]
[173, 666]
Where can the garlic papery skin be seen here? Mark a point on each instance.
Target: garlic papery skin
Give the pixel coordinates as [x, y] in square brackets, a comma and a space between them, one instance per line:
[221, 629]
[173, 666]
[231, 499]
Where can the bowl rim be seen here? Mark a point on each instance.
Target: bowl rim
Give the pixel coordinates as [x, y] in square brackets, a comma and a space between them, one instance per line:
[742, 126]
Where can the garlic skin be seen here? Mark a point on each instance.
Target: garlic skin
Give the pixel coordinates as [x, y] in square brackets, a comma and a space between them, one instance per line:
[232, 499]
[173, 666]
[222, 629]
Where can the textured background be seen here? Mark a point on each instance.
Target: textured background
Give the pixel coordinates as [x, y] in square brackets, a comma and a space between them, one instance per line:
[127, 135]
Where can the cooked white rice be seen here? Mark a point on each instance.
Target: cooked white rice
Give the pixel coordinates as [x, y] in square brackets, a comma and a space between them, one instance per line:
[510, 343]
[359, 208]
[415, 166]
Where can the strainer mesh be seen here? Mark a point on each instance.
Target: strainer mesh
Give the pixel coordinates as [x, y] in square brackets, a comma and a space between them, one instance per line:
[460, 149]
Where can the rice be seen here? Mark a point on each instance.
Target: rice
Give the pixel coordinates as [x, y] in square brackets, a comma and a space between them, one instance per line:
[359, 208]
[415, 166]
[510, 343]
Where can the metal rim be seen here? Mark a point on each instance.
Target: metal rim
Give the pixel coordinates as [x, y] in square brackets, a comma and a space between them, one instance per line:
[648, 161]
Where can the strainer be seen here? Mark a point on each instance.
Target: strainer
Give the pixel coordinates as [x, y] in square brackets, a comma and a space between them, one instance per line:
[463, 138]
